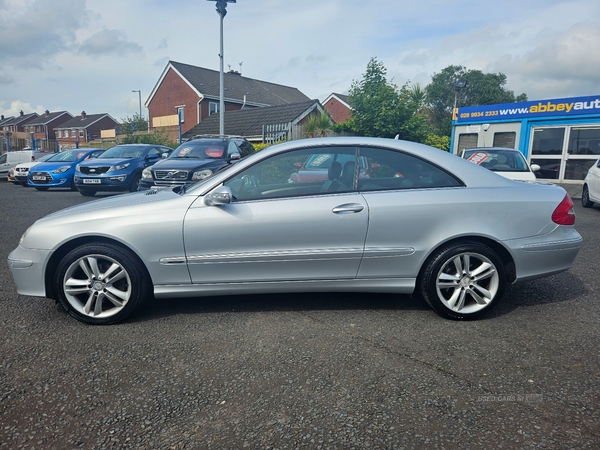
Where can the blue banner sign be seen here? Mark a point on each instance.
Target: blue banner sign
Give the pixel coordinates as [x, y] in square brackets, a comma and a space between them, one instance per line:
[573, 106]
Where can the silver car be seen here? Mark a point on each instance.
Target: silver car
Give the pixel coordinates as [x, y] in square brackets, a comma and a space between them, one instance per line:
[406, 219]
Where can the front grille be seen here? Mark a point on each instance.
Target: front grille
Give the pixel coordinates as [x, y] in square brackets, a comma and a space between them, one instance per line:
[170, 175]
[93, 170]
[21, 171]
[47, 177]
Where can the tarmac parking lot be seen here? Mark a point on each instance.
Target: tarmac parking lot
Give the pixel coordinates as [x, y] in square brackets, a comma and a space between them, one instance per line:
[323, 371]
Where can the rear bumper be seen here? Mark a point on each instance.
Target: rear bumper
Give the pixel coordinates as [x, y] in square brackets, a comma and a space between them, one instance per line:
[548, 255]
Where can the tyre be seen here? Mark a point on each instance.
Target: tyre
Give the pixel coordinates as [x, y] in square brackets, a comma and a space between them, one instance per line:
[87, 192]
[73, 185]
[41, 188]
[463, 281]
[101, 284]
[135, 183]
[585, 197]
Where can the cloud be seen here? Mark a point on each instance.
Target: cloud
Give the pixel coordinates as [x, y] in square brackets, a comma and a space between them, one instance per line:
[39, 28]
[17, 106]
[109, 42]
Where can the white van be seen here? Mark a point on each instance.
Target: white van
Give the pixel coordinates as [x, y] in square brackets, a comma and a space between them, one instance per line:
[11, 159]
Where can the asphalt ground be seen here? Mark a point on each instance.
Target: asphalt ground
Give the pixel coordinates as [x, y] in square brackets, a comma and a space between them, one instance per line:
[301, 371]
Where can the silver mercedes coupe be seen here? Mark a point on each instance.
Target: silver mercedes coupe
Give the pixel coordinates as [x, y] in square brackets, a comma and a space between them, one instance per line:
[375, 215]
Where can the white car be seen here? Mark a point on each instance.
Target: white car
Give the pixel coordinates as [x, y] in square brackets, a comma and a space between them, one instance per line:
[22, 170]
[508, 162]
[591, 186]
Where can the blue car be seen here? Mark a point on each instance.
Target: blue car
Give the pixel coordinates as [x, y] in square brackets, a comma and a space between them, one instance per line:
[59, 170]
[119, 169]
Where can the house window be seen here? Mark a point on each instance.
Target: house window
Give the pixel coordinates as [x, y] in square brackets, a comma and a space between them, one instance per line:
[80, 133]
[58, 133]
[73, 133]
[37, 128]
[213, 108]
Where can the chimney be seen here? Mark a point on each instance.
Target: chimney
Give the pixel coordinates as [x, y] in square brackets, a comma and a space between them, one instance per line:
[47, 113]
[83, 115]
[21, 113]
[2, 117]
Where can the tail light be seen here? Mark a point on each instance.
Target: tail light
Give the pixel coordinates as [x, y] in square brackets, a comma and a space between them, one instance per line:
[564, 214]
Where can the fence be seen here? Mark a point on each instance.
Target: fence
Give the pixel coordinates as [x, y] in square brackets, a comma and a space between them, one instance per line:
[277, 132]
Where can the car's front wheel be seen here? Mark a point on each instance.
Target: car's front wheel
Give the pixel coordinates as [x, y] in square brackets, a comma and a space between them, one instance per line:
[41, 188]
[87, 192]
[585, 197]
[135, 183]
[101, 283]
[463, 280]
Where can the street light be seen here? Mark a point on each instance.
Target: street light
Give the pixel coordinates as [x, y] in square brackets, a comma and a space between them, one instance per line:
[222, 11]
[458, 85]
[140, 97]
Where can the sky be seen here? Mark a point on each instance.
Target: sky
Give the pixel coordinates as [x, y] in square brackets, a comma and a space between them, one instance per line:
[89, 55]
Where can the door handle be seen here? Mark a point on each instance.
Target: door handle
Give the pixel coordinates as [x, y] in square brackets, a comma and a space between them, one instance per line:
[348, 208]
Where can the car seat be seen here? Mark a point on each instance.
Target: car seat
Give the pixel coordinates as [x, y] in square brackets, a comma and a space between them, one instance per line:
[333, 174]
[347, 177]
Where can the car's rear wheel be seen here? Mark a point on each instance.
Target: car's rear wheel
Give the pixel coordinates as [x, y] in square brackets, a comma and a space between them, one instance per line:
[135, 183]
[101, 283]
[585, 197]
[41, 188]
[87, 192]
[463, 280]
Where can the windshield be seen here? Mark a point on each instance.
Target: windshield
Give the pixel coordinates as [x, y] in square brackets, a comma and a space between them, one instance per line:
[200, 150]
[44, 158]
[68, 156]
[124, 151]
[497, 160]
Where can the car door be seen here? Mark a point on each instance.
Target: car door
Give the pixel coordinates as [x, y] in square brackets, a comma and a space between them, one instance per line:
[594, 181]
[406, 197]
[275, 230]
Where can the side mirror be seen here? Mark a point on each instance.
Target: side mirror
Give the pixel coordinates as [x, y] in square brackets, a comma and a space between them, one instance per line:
[219, 196]
[164, 155]
[234, 157]
[535, 167]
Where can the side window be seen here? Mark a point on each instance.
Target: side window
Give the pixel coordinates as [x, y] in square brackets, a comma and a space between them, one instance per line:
[3, 159]
[246, 148]
[232, 149]
[297, 173]
[154, 152]
[390, 170]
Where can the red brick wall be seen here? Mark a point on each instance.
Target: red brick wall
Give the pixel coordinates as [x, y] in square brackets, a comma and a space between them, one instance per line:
[339, 112]
[173, 92]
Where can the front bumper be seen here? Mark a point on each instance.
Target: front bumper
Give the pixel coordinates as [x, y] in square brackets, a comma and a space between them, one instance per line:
[27, 267]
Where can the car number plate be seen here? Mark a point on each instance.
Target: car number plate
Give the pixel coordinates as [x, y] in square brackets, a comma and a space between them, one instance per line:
[38, 178]
[91, 181]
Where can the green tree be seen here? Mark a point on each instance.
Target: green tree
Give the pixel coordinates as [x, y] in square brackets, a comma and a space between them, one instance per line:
[318, 125]
[481, 89]
[131, 125]
[381, 109]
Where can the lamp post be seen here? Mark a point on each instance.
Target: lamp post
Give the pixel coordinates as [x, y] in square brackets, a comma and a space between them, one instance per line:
[140, 99]
[222, 11]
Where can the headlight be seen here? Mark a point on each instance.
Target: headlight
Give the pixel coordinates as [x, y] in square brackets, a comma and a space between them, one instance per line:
[146, 174]
[24, 234]
[118, 167]
[77, 168]
[201, 174]
[62, 169]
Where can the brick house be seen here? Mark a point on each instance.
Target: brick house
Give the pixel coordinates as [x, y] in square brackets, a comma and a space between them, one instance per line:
[267, 124]
[196, 92]
[83, 128]
[17, 123]
[43, 126]
[338, 107]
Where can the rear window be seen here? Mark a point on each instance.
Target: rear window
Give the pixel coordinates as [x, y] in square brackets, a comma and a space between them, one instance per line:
[497, 160]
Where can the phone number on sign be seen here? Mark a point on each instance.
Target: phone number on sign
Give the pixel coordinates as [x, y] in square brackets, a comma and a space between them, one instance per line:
[479, 114]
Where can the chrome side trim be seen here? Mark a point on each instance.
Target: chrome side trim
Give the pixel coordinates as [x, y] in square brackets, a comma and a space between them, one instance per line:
[330, 253]
[381, 252]
[552, 245]
[172, 260]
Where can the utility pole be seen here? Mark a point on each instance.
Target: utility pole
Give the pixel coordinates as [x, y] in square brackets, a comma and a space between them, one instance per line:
[222, 11]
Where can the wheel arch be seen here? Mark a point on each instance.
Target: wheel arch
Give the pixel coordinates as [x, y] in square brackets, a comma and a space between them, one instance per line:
[499, 249]
[66, 247]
